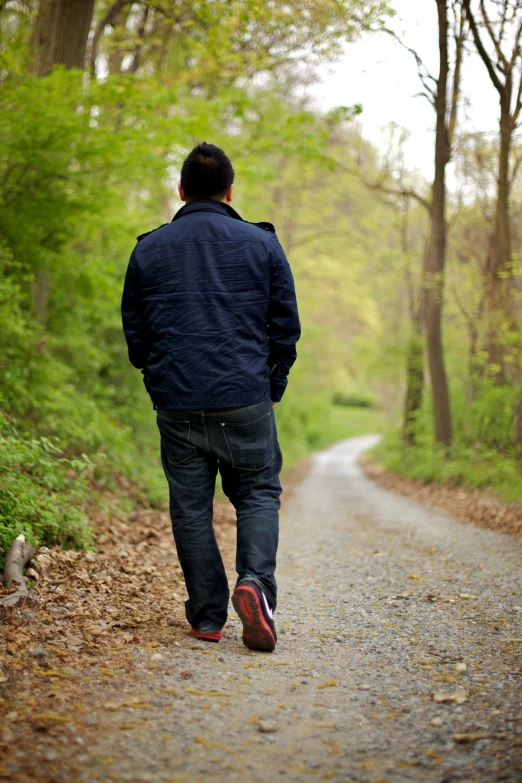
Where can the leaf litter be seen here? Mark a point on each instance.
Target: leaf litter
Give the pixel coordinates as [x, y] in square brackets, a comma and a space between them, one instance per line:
[83, 622]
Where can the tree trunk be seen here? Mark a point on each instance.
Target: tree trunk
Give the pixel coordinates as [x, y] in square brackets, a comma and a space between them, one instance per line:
[60, 34]
[498, 269]
[437, 248]
[40, 294]
[415, 355]
[20, 552]
[414, 384]
[117, 50]
[517, 426]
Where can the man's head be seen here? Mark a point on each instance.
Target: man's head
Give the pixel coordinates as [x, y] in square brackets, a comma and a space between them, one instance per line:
[206, 173]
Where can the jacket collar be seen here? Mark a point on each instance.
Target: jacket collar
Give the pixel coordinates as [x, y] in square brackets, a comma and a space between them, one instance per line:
[207, 205]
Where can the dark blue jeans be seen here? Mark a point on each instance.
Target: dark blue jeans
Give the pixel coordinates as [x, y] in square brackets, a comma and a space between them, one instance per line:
[242, 444]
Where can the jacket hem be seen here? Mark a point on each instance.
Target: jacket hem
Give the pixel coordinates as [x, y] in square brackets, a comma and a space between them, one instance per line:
[191, 402]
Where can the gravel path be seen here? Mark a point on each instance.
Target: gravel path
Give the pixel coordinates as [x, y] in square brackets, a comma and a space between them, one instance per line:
[399, 657]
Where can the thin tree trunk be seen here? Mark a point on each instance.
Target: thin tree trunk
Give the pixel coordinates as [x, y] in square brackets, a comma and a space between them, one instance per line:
[498, 269]
[415, 354]
[414, 384]
[117, 50]
[60, 34]
[41, 285]
[437, 247]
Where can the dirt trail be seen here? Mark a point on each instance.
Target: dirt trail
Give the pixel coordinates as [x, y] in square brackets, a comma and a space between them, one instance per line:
[399, 659]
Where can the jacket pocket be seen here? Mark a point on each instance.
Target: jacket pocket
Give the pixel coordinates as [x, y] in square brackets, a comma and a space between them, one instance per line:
[175, 439]
[250, 443]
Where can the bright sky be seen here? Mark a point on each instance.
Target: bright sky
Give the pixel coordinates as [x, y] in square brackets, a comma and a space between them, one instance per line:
[378, 73]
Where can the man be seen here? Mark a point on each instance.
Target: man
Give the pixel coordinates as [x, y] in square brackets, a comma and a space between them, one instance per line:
[210, 317]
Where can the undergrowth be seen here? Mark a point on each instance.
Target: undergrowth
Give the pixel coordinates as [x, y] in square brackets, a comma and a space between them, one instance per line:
[476, 466]
[41, 492]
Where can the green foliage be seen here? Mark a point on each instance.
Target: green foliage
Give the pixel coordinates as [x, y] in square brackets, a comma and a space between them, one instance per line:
[362, 400]
[41, 492]
[482, 456]
[87, 164]
[490, 415]
[478, 467]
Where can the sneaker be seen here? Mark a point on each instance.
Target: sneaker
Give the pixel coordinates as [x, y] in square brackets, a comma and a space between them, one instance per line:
[255, 613]
[206, 637]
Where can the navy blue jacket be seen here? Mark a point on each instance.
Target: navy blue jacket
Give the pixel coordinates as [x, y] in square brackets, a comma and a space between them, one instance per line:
[209, 310]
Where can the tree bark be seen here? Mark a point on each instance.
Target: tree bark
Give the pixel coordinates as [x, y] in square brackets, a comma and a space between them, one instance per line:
[434, 283]
[20, 552]
[60, 34]
[415, 353]
[498, 268]
[414, 385]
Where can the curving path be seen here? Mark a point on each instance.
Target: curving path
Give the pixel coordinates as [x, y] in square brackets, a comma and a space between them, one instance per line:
[399, 657]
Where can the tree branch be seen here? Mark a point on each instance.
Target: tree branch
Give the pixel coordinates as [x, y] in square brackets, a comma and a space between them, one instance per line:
[503, 22]
[429, 82]
[109, 17]
[516, 47]
[496, 43]
[516, 167]
[136, 59]
[399, 192]
[481, 49]
[518, 103]
[455, 94]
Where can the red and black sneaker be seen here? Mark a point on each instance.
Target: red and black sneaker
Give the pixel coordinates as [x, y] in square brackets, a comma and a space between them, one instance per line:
[255, 613]
[206, 637]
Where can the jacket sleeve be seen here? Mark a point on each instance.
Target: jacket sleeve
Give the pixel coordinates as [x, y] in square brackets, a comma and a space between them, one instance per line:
[284, 328]
[133, 318]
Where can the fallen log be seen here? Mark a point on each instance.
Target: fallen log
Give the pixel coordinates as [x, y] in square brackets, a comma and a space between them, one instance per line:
[20, 552]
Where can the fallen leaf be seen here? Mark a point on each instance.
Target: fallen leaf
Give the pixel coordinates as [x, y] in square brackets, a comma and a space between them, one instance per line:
[50, 673]
[472, 737]
[50, 716]
[335, 747]
[197, 692]
[459, 697]
[330, 684]
[209, 744]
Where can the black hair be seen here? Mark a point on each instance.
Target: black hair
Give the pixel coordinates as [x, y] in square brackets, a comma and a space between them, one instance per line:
[206, 172]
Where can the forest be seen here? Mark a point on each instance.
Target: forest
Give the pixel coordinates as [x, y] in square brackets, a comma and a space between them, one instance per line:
[410, 291]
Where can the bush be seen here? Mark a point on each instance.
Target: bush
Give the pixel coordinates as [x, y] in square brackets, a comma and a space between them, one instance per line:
[483, 454]
[41, 492]
[355, 400]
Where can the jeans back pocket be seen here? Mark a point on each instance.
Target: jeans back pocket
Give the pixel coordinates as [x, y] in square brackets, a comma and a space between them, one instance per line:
[250, 443]
[175, 438]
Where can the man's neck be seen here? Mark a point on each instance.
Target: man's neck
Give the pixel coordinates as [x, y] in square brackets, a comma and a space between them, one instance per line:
[206, 198]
